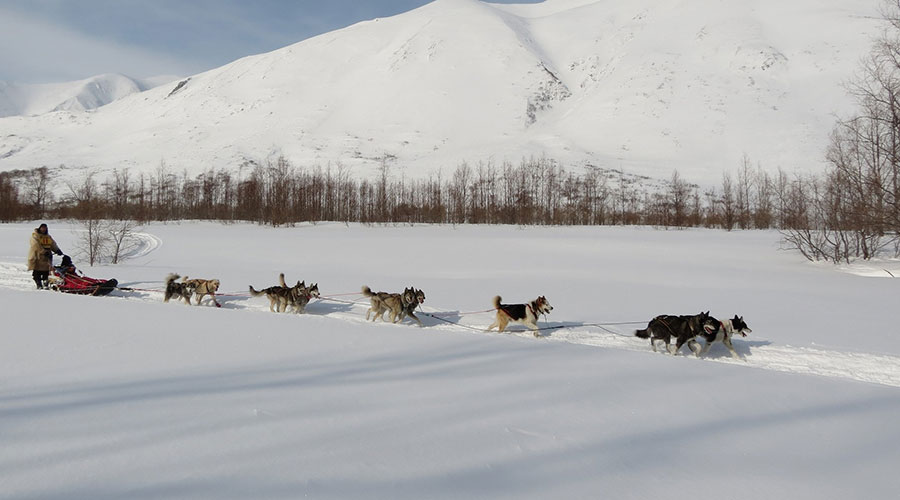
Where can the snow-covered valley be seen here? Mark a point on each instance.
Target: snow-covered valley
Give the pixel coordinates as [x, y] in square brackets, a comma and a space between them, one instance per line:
[126, 396]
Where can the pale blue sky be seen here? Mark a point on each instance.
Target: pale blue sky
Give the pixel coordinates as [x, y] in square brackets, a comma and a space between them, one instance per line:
[61, 40]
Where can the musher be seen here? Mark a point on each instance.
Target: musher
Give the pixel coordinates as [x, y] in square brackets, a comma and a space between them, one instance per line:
[40, 254]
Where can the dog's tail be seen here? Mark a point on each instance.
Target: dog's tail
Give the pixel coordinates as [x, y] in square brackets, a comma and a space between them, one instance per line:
[497, 300]
[367, 291]
[642, 334]
[281, 280]
[255, 292]
[171, 278]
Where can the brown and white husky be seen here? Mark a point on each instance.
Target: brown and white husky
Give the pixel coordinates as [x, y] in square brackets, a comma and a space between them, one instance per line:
[525, 314]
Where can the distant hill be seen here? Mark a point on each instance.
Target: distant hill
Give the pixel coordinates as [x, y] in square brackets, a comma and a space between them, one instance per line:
[645, 86]
[35, 99]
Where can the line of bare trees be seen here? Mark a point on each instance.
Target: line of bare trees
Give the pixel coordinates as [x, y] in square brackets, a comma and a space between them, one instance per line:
[537, 191]
[851, 212]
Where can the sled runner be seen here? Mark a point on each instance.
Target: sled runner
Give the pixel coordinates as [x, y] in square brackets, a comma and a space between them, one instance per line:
[67, 279]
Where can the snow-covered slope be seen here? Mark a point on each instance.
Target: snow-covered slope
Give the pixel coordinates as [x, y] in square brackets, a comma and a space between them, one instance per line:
[125, 396]
[645, 85]
[35, 99]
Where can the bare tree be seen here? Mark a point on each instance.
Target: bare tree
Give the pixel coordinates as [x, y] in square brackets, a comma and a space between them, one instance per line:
[727, 203]
[38, 189]
[679, 197]
[88, 211]
[121, 238]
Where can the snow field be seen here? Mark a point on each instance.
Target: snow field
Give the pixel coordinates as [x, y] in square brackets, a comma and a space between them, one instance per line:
[125, 396]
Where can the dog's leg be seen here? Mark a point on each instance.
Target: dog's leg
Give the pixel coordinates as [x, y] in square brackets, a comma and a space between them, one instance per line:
[680, 343]
[694, 346]
[413, 316]
[535, 329]
[216, 302]
[383, 308]
[727, 342]
[373, 308]
[396, 315]
[495, 324]
[705, 349]
[653, 339]
[669, 347]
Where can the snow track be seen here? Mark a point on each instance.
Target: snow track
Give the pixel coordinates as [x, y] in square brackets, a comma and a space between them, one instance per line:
[144, 244]
[863, 367]
[755, 353]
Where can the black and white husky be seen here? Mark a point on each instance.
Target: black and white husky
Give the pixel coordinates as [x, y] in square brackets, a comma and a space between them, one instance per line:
[682, 328]
[723, 334]
[526, 314]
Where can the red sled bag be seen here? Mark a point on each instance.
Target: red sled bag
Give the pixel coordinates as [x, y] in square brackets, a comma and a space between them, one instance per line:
[67, 279]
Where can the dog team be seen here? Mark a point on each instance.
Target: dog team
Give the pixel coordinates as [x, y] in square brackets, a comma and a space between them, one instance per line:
[282, 296]
[683, 329]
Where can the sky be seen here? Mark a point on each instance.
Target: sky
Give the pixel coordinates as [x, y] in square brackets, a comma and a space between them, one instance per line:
[44, 41]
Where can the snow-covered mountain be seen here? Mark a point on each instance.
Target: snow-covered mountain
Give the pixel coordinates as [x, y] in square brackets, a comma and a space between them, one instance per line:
[645, 85]
[17, 99]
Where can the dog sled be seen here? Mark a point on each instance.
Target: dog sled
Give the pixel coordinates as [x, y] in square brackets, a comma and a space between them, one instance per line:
[65, 278]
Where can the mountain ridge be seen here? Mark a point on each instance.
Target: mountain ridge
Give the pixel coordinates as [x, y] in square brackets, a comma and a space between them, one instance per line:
[645, 87]
[18, 99]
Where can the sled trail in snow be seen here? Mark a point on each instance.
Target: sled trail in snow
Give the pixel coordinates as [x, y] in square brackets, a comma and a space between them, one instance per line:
[864, 367]
[756, 353]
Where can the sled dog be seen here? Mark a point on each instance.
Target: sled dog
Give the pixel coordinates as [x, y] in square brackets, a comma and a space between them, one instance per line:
[723, 334]
[682, 328]
[301, 296]
[175, 289]
[382, 302]
[203, 288]
[408, 309]
[525, 314]
[279, 296]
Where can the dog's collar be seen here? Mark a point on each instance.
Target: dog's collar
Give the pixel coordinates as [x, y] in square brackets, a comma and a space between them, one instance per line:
[727, 326]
